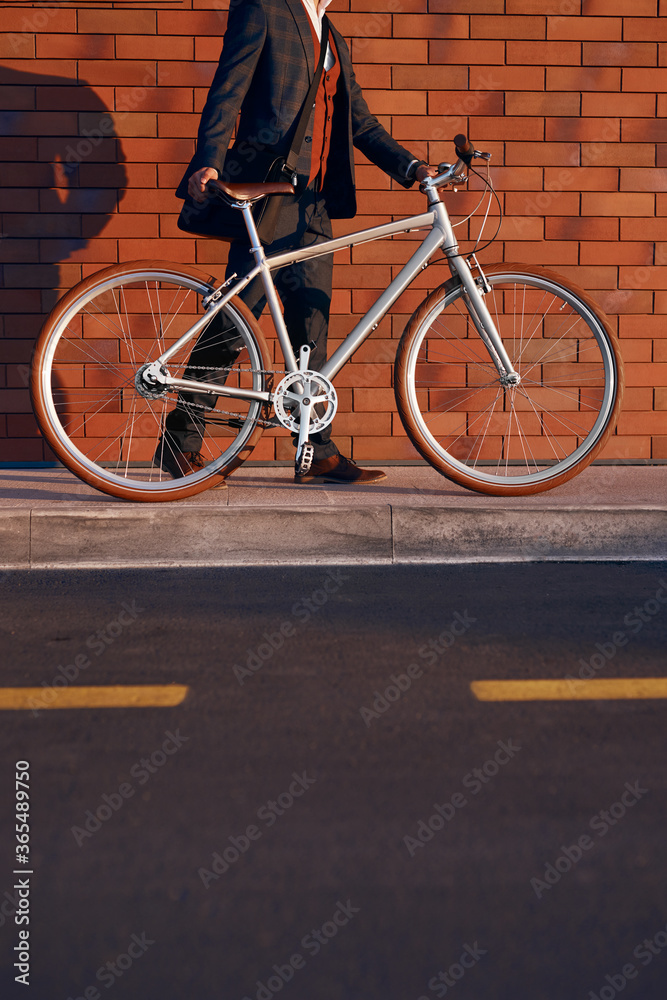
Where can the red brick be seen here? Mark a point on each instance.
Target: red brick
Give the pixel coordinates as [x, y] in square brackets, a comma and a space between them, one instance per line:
[429, 26]
[23, 251]
[31, 20]
[541, 153]
[648, 29]
[458, 104]
[64, 69]
[527, 129]
[422, 78]
[155, 150]
[612, 154]
[623, 105]
[116, 226]
[586, 229]
[617, 204]
[79, 98]
[507, 78]
[467, 53]
[173, 250]
[647, 8]
[390, 102]
[154, 47]
[17, 98]
[507, 27]
[649, 80]
[583, 78]
[619, 54]
[17, 46]
[60, 123]
[541, 103]
[617, 253]
[125, 72]
[640, 130]
[190, 22]
[596, 28]
[643, 180]
[177, 125]
[589, 178]
[75, 46]
[597, 130]
[185, 74]
[117, 22]
[391, 50]
[544, 53]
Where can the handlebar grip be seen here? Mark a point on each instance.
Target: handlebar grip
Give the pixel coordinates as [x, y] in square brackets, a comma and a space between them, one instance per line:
[464, 148]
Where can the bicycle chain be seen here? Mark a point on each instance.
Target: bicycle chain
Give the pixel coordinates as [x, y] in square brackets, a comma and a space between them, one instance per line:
[262, 421]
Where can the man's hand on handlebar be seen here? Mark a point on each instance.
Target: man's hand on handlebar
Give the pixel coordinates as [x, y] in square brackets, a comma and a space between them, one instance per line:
[198, 181]
[424, 171]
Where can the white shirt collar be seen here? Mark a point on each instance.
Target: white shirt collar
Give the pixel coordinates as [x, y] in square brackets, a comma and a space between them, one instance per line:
[315, 10]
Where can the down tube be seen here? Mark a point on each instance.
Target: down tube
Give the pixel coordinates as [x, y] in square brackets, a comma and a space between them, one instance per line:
[367, 324]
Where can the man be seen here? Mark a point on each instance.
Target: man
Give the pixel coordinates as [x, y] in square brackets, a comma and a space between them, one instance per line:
[270, 52]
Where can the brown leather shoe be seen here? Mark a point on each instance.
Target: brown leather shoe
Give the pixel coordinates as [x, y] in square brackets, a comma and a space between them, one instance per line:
[337, 469]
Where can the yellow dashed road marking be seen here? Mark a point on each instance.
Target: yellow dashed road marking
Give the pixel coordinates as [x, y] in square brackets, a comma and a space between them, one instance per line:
[571, 690]
[119, 696]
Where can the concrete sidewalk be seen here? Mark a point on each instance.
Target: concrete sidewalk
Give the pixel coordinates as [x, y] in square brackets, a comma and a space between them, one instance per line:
[48, 519]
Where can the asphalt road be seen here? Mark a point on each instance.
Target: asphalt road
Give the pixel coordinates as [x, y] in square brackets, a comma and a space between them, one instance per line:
[331, 814]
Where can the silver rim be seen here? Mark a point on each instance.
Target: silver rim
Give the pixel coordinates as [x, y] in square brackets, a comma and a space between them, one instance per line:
[513, 436]
[88, 370]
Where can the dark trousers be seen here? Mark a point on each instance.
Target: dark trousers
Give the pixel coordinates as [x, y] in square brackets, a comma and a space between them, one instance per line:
[305, 292]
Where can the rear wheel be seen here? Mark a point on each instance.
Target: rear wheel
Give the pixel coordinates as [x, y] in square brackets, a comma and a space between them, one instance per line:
[506, 440]
[98, 418]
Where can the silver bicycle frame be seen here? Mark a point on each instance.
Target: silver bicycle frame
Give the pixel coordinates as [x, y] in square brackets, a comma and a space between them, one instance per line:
[441, 234]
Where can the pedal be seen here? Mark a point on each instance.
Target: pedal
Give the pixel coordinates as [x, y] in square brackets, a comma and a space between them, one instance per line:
[304, 460]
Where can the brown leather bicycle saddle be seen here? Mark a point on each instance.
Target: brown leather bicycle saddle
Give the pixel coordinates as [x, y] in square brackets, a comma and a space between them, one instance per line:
[252, 191]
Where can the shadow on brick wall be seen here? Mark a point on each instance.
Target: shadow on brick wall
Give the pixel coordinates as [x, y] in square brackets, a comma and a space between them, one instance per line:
[62, 176]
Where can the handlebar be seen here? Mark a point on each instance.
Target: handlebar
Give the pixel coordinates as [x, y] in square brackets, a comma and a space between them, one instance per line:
[456, 173]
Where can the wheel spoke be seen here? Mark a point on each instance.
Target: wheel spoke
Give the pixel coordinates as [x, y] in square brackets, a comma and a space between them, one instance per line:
[522, 438]
[108, 429]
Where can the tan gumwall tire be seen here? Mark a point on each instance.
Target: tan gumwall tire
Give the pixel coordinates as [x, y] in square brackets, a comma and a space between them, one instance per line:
[509, 442]
[82, 380]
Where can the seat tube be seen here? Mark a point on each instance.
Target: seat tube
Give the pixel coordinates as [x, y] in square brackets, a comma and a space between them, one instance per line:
[257, 250]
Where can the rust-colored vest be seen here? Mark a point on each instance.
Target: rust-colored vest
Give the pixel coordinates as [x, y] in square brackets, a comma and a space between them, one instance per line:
[323, 112]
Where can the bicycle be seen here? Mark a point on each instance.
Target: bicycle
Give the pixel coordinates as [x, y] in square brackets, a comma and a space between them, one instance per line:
[508, 380]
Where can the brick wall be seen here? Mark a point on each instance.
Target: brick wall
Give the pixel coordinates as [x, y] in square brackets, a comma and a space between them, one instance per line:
[101, 105]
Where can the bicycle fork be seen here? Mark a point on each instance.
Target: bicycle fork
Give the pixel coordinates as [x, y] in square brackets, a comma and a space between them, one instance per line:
[482, 319]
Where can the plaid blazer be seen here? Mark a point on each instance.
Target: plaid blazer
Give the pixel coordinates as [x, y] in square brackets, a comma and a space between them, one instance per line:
[265, 70]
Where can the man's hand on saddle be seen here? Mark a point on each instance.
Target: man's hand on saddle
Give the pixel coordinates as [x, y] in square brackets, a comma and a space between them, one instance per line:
[198, 181]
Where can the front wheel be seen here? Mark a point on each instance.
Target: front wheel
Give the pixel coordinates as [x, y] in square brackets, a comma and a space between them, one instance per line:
[510, 439]
[99, 417]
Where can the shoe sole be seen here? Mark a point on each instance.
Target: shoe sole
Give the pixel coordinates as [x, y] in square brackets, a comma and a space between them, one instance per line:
[321, 480]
